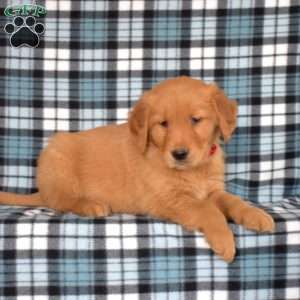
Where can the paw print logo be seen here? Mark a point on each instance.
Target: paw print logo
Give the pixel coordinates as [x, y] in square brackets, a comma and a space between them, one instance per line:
[24, 31]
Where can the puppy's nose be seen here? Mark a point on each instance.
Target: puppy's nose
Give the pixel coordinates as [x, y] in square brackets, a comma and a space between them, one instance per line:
[180, 153]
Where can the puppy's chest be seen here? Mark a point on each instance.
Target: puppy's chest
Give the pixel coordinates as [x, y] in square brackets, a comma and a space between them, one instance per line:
[193, 186]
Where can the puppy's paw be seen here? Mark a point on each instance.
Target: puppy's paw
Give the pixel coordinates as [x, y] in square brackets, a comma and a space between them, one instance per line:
[254, 218]
[91, 209]
[222, 243]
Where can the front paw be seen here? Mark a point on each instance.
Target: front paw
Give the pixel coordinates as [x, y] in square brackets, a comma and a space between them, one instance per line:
[221, 242]
[254, 218]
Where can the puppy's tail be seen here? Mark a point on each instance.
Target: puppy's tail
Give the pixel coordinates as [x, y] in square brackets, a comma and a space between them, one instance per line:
[20, 200]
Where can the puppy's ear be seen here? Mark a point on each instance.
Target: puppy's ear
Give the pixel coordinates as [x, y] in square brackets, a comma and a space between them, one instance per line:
[226, 112]
[138, 123]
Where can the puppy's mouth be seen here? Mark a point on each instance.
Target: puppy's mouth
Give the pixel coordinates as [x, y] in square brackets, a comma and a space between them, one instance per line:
[189, 163]
[181, 164]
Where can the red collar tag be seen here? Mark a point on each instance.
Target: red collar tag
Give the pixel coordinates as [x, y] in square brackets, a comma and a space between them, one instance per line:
[213, 149]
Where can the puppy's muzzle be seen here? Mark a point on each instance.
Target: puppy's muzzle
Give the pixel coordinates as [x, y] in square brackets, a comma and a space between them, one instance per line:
[180, 154]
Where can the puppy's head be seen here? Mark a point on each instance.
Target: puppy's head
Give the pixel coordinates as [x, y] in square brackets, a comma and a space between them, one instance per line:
[182, 119]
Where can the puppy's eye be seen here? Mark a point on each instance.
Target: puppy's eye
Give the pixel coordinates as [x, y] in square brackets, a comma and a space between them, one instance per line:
[164, 124]
[195, 120]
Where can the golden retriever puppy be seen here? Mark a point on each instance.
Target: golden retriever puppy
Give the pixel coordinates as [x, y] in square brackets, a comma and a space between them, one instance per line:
[165, 162]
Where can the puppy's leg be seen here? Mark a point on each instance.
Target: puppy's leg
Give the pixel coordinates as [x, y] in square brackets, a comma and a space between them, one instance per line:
[239, 211]
[57, 181]
[59, 186]
[89, 208]
[204, 217]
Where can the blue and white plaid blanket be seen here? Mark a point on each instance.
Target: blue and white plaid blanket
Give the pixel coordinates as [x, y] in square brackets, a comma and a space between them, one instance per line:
[93, 61]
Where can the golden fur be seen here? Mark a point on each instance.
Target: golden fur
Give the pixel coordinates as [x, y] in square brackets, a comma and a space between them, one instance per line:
[129, 168]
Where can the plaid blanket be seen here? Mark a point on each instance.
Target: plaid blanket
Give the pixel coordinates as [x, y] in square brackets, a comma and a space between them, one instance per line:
[96, 58]
[134, 257]
[91, 64]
